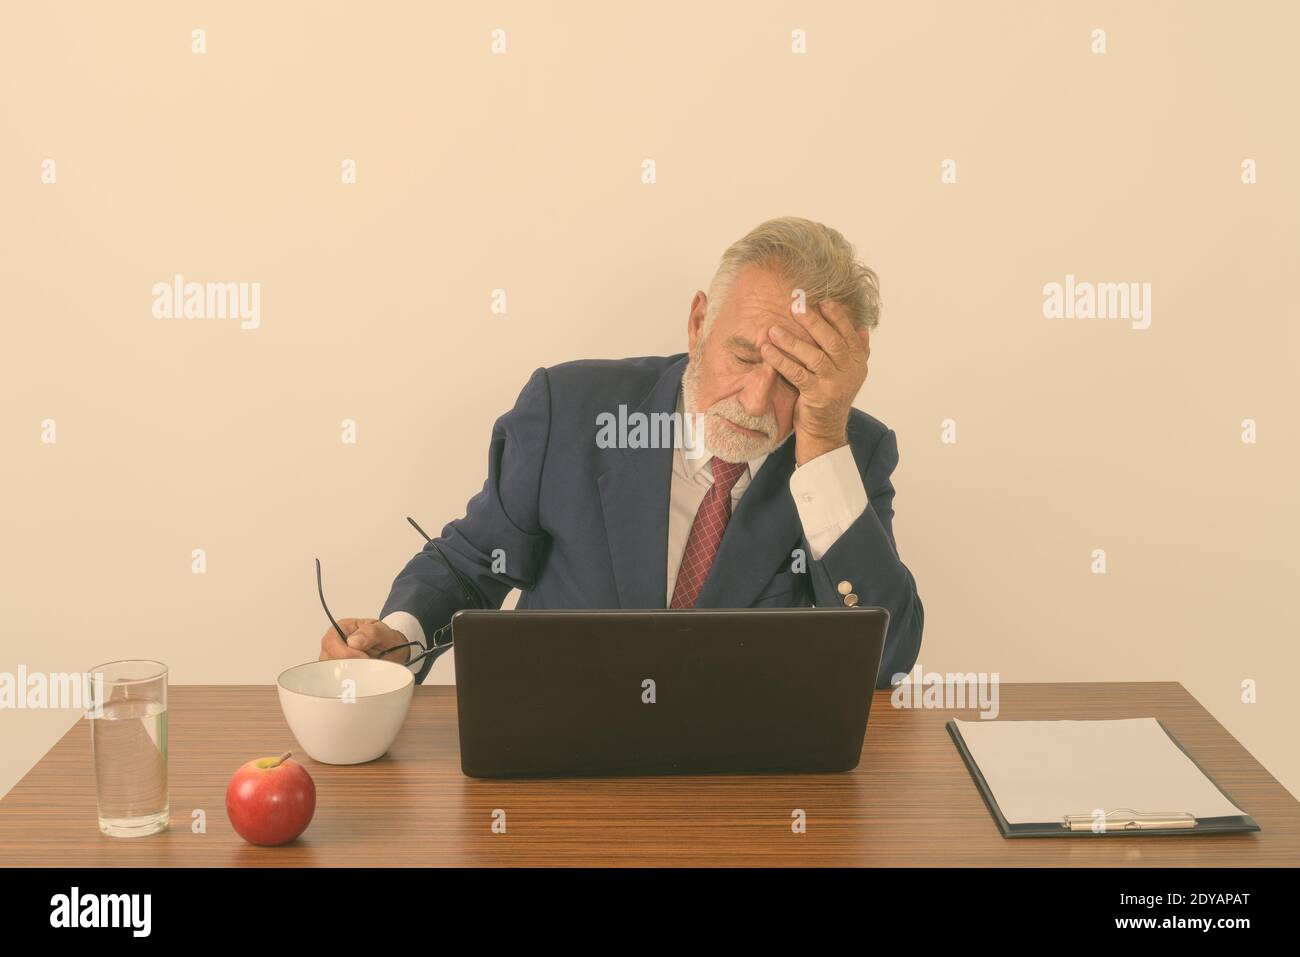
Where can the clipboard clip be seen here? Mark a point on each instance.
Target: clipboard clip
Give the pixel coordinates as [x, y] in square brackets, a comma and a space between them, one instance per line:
[1127, 819]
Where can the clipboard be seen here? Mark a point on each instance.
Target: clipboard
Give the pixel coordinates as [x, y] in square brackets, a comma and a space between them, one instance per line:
[1119, 821]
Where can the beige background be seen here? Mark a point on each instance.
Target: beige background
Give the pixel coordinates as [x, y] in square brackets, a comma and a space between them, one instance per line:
[522, 172]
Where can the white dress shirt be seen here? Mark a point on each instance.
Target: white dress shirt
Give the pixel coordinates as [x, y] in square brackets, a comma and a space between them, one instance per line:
[828, 495]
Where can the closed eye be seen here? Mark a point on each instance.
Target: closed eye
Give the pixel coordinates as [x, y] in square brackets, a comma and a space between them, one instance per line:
[744, 351]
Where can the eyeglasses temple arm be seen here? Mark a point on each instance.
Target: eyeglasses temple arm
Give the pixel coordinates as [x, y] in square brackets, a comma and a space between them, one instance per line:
[471, 594]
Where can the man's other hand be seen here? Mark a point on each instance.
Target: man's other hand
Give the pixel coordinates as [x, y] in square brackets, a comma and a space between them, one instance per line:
[367, 638]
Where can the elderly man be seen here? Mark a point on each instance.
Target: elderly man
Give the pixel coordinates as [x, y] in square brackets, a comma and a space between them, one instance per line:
[788, 502]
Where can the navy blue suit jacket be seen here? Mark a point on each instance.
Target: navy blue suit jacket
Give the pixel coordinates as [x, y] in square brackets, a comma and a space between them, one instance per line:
[580, 526]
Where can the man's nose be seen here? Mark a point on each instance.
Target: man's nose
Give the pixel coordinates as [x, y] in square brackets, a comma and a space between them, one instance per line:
[760, 387]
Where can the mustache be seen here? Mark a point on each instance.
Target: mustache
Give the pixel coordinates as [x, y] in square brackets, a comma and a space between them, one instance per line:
[732, 410]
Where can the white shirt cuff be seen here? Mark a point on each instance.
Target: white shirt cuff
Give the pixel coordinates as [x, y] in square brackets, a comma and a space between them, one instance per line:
[409, 626]
[829, 496]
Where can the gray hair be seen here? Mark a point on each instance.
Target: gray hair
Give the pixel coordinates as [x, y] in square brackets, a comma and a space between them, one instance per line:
[809, 256]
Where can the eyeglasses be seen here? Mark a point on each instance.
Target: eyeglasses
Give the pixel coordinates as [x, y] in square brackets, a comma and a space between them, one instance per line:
[442, 637]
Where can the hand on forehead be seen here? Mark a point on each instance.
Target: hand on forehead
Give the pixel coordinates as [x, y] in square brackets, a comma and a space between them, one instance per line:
[823, 310]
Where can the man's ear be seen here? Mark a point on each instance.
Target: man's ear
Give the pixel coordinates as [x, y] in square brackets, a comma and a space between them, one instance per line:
[695, 320]
[864, 334]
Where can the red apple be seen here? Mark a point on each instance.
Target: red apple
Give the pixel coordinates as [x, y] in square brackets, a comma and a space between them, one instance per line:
[271, 800]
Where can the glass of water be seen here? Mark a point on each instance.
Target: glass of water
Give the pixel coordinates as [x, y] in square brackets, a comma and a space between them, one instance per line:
[128, 736]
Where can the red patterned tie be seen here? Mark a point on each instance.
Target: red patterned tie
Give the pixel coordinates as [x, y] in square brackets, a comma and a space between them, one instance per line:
[706, 533]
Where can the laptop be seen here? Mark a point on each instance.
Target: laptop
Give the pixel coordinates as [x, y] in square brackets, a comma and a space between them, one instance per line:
[699, 691]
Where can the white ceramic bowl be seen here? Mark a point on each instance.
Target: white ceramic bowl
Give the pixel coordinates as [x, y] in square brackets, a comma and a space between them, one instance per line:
[346, 711]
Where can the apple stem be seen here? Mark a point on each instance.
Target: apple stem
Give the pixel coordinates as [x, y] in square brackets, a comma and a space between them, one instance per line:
[280, 760]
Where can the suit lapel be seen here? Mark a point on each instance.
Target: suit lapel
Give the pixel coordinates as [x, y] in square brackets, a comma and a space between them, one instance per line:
[760, 536]
[634, 495]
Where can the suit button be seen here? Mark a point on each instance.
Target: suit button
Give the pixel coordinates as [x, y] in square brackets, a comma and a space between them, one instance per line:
[851, 599]
[844, 588]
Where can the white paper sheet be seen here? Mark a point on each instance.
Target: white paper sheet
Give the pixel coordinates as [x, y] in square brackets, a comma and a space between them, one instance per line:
[1040, 771]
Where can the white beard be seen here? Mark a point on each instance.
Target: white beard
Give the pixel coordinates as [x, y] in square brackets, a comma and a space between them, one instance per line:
[723, 441]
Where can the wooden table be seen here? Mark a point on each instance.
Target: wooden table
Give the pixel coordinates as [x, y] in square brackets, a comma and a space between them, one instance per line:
[910, 801]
